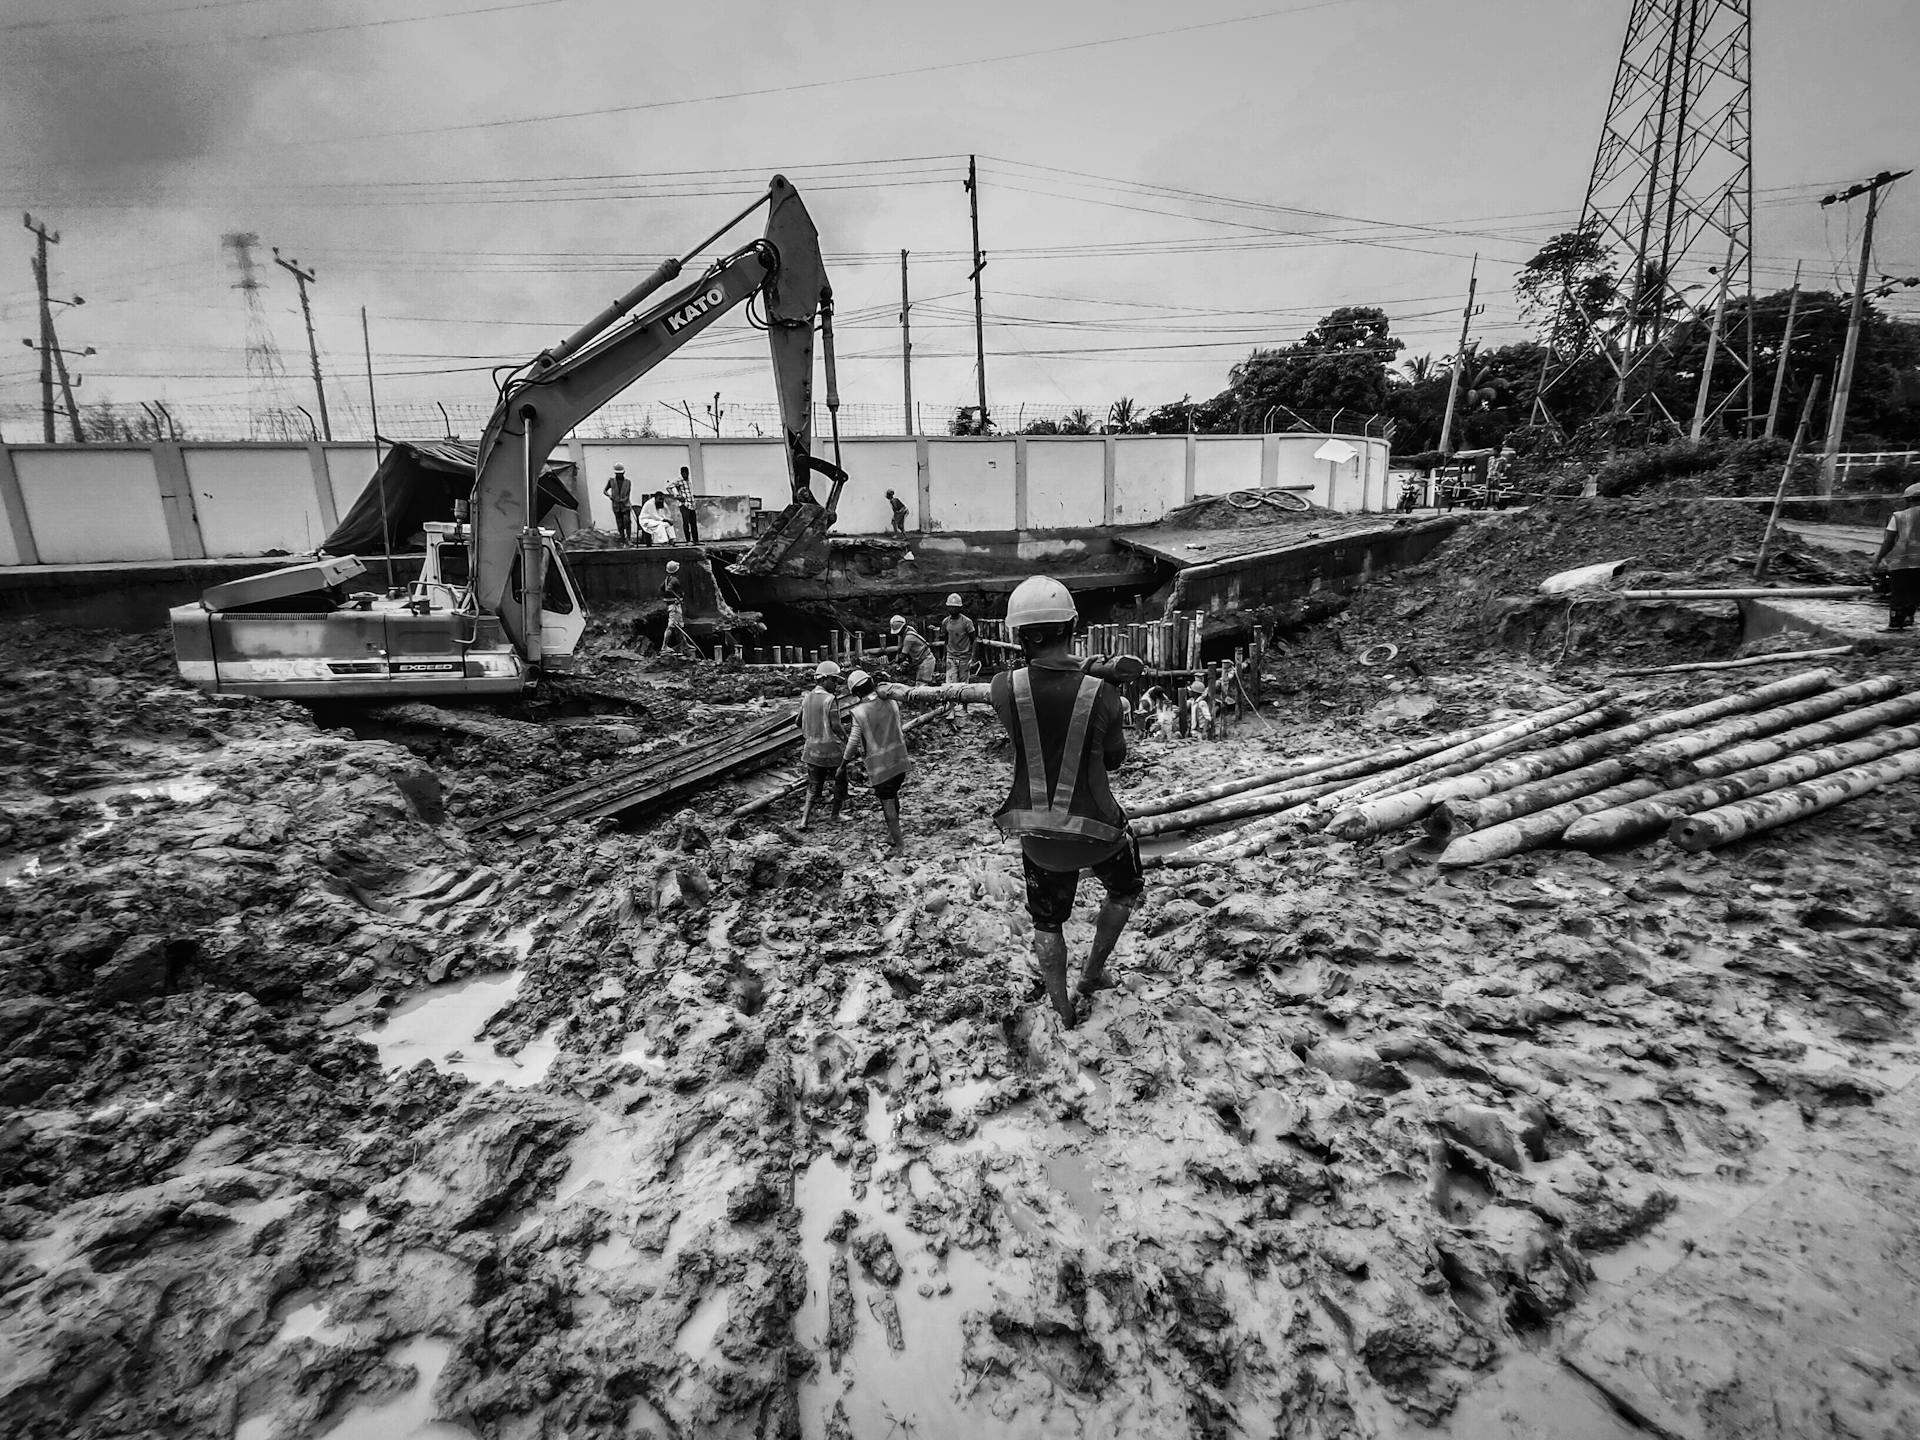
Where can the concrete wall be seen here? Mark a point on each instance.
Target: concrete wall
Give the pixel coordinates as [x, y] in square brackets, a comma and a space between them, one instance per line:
[107, 504]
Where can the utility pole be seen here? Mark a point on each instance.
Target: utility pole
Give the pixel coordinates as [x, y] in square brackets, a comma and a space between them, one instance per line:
[1459, 355]
[1786, 349]
[714, 412]
[1713, 344]
[1837, 418]
[906, 345]
[304, 278]
[46, 238]
[979, 264]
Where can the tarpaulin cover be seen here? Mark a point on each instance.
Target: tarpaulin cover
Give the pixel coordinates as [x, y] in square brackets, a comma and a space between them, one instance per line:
[422, 479]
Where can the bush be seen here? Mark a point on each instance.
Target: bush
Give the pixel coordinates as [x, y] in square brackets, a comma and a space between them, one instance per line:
[1635, 470]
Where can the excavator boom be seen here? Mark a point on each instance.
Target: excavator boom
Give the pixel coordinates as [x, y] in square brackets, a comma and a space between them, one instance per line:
[563, 387]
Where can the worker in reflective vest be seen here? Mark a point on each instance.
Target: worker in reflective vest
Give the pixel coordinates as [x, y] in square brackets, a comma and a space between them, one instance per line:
[876, 737]
[823, 734]
[1065, 725]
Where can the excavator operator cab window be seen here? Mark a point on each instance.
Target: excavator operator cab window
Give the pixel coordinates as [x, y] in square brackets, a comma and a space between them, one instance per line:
[557, 598]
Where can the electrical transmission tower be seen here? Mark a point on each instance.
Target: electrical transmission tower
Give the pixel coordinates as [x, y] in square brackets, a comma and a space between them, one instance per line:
[1671, 201]
[271, 414]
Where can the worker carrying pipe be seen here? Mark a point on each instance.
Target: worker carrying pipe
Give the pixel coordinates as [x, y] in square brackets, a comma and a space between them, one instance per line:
[1065, 725]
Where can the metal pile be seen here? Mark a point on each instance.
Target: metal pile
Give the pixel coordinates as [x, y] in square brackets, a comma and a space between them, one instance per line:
[1575, 775]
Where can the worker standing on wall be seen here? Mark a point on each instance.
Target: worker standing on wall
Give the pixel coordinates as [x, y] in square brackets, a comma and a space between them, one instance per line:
[876, 738]
[899, 507]
[689, 518]
[619, 489]
[909, 652]
[1064, 724]
[823, 737]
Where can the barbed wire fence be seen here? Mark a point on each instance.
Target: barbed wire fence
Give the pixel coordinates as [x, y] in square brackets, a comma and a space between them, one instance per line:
[139, 422]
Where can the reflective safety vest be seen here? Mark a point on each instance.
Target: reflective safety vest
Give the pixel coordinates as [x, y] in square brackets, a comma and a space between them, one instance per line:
[820, 736]
[1055, 819]
[877, 735]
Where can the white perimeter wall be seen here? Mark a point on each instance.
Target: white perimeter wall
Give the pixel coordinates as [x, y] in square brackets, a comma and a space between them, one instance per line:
[64, 504]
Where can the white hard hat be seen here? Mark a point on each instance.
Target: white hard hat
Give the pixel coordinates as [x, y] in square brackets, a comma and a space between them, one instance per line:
[954, 602]
[897, 624]
[1040, 600]
[859, 680]
[673, 567]
[826, 670]
[1911, 491]
[619, 469]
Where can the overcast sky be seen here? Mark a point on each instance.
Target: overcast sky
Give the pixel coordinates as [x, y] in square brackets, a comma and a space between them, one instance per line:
[483, 174]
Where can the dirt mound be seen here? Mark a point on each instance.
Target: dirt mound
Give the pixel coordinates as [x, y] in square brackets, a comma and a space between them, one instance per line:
[1216, 512]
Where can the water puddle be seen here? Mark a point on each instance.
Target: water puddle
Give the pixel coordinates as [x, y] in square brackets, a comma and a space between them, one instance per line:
[442, 1023]
[308, 1321]
[916, 1389]
[702, 1328]
[115, 803]
[407, 1416]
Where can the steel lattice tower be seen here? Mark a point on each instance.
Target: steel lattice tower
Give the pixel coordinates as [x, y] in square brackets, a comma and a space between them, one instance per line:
[1671, 194]
[271, 414]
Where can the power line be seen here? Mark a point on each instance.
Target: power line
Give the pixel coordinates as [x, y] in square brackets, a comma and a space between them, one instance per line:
[805, 85]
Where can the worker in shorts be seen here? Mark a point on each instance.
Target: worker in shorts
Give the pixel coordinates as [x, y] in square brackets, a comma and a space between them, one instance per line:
[1899, 558]
[823, 738]
[671, 592]
[876, 738]
[1064, 724]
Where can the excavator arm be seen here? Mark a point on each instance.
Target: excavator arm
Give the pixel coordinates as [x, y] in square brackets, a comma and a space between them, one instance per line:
[540, 405]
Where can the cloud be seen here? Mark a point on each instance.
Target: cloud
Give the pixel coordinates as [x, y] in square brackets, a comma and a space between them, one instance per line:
[82, 115]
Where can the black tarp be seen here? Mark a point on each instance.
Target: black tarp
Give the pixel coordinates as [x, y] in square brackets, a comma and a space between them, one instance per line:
[421, 480]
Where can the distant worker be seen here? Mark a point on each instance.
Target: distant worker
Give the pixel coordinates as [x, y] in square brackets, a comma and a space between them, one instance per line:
[1899, 557]
[907, 648]
[1199, 711]
[958, 629]
[1065, 727]
[823, 738]
[875, 737]
[899, 513]
[671, 592]
[619, 489]
[689, 519]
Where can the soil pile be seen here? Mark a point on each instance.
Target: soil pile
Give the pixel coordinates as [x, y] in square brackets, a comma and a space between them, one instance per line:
[1216, 512]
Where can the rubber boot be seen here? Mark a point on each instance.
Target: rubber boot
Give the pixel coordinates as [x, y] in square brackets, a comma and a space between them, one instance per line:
[806, 806]
[1107, 926]
[1050, 951]
[891, 809]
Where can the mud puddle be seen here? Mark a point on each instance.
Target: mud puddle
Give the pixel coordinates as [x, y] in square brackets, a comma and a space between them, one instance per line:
[407, 1416]
[442, 1024]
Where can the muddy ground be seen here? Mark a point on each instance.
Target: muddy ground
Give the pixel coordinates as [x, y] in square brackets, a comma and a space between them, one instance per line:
[766, 1137]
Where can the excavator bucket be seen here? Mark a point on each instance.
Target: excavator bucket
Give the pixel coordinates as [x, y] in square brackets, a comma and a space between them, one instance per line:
[795, 545]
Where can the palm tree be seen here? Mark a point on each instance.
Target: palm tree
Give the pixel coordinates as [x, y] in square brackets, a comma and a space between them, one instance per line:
[1078, 422]
[1123, 416]
[1420, 368]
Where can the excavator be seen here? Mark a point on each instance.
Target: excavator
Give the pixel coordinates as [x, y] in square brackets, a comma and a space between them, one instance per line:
[495, 607]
